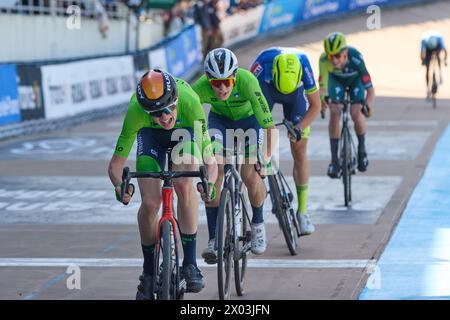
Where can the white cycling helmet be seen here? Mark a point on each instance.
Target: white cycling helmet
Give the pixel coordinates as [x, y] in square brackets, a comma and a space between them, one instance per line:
[220, 63]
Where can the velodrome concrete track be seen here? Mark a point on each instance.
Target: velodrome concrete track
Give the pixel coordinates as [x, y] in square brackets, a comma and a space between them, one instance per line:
[57, 206]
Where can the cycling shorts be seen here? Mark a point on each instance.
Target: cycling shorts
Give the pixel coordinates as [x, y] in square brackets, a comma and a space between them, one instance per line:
[152, 145]
[223, 130]
[336, 89]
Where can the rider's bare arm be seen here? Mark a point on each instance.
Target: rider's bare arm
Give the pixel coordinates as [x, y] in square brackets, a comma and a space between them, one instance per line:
[313, 110]
[370, 99]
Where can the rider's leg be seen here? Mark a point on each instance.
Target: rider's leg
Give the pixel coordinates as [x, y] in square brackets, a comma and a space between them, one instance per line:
[334, 129]
[301, 177]
[257, 194]
[438, 56]
[358, 94]
[336, 92]
[217, 131]
[427, 72]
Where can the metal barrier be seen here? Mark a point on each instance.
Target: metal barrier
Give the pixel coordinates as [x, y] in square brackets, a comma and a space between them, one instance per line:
[87, 8]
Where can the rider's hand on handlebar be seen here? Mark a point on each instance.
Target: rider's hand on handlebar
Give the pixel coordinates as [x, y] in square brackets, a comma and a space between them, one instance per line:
[212, 192]
[367, 110]
[127, 196]
[263, 170]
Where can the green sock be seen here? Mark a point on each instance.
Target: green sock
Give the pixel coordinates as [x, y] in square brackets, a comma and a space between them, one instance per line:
[302, 196]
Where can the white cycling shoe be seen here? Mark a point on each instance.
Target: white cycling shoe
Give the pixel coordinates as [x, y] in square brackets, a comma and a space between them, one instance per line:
[306, 225]
[259, 244]
[210, 254]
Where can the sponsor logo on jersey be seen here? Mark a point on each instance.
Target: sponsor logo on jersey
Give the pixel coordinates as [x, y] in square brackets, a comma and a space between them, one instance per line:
[256, 69]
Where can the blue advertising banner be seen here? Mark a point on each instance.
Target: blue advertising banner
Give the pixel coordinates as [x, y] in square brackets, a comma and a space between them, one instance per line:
[9, 102]
[280, 14]
[315, 9]
[358, 4]
[182, 53]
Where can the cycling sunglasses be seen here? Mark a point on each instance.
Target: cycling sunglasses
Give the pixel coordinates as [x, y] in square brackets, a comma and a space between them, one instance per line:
[167, 110]
[335, 56]
[228, 82]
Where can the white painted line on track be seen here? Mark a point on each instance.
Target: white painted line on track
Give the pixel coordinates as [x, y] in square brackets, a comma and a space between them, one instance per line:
[127, 263]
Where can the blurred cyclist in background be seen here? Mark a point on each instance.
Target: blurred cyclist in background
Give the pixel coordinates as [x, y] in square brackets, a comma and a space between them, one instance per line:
[432, 44]
[343, 66]
[286, 77]
[161, 105]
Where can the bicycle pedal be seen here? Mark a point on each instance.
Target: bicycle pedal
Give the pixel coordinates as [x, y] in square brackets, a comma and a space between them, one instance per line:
[248, 236]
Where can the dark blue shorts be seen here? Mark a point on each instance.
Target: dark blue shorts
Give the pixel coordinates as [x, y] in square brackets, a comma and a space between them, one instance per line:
[152, 145]
[222, 131]
[294, 104]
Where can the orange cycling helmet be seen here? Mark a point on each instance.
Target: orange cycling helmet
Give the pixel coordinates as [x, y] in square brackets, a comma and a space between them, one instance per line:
[156, 90]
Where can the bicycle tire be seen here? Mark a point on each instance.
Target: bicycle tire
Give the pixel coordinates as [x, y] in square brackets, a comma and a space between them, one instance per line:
[224, 243]
[167, 277]
[242, 238]
[283, 215]
[346, 171]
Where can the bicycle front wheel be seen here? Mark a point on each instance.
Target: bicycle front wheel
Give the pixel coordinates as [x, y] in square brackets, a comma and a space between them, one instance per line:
[242, 242]
[283, 214]
[168, 272]
[224, 243]
[346, 166]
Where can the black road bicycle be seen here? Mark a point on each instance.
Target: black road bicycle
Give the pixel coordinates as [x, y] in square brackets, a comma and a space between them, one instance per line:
[233, 233]
[282, 198]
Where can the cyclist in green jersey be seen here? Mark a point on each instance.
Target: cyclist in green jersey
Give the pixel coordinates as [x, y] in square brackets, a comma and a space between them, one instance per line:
[162, 109]
[237, 103]
[342, 66]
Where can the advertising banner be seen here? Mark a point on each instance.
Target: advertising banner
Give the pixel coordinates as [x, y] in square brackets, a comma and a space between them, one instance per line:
[182, 52]
[76, 87]
[281, 14]
[242, 25]
[9, 100]
[315, 9]
[30, 92]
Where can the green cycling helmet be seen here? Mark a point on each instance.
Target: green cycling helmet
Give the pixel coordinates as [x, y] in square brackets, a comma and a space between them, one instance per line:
[334, 43]
[286, 72]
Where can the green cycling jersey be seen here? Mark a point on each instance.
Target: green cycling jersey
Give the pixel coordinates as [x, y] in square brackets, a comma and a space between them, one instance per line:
[245, 100]
[190, 114]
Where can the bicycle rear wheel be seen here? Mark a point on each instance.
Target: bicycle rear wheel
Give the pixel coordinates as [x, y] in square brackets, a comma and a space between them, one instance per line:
[241, 243]
[346, 166]
[283, 214]
[224, 243]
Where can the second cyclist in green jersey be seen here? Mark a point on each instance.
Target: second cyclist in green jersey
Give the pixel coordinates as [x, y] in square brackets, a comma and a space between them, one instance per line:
[237, 103]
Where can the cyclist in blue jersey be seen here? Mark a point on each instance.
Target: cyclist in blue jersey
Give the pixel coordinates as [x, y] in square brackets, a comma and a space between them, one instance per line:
[432, 43]
[286, 77]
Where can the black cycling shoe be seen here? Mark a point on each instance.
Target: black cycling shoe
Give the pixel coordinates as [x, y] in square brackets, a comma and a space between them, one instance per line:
[334, 170]
[145, 287]
[363, 162]
[194, 278]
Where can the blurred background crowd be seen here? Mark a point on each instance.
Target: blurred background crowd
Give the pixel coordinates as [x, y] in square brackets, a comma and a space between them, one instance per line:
[175, 14]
